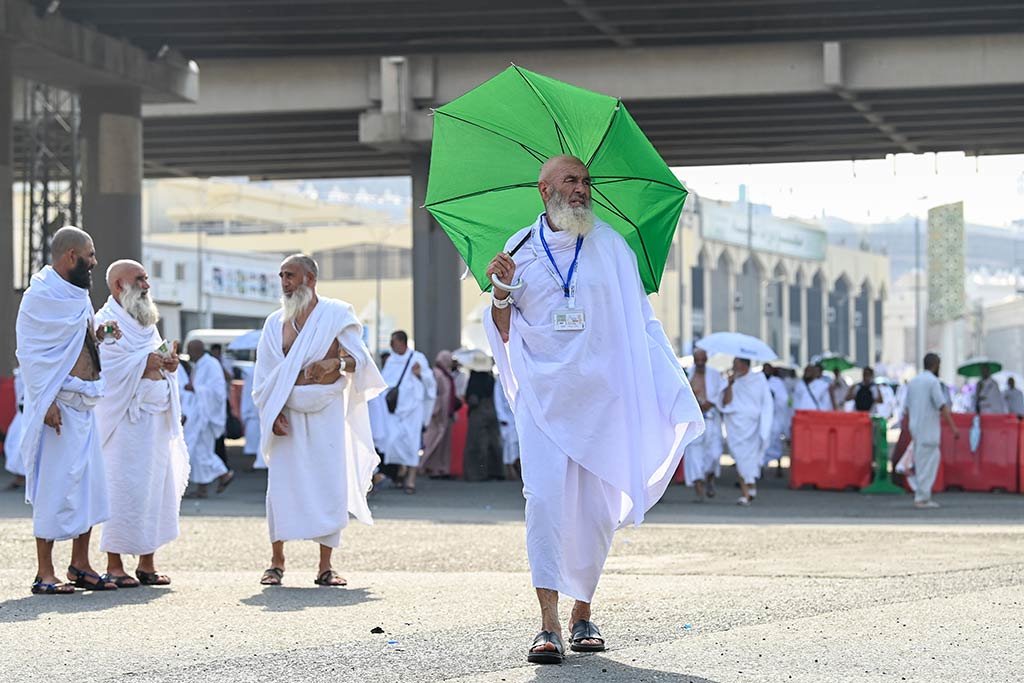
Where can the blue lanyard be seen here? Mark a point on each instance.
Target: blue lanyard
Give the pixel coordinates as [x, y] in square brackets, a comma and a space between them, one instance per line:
[572, 267]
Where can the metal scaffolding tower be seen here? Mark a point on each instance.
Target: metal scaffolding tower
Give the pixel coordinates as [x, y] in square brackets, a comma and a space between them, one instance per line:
[51, 180]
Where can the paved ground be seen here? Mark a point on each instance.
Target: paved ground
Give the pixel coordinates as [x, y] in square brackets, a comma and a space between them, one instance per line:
[804, 586]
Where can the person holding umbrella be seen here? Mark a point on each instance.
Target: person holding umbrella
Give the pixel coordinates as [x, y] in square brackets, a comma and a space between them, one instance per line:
[601, 405]
[988, 399]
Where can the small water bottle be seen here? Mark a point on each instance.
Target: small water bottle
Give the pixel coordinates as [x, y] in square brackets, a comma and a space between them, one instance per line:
[108, 333]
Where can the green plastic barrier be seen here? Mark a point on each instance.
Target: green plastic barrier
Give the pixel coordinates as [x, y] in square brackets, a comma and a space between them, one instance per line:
[881, 481]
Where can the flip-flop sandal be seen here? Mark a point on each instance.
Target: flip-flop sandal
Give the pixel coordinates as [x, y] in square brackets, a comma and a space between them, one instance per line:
[121, 581]
[222, 484]
[272, 577]
[41, 588]
[585, 630]
[409, 490]
[152, 578]
[101, 584]
[546, 656]
[328, 577]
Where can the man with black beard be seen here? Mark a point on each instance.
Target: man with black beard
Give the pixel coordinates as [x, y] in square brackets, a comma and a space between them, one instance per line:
[140, 430]
[65, 478]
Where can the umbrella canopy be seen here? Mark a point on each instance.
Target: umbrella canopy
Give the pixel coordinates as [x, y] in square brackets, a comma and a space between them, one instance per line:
[490, 143]
[972, 368]
[473, 359]
[738, 345]
[246, 342]
[834, 362]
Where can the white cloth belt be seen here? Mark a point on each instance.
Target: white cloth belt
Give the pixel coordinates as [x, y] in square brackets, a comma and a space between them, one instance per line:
[312, 398]
[153, 396]
[79, 394]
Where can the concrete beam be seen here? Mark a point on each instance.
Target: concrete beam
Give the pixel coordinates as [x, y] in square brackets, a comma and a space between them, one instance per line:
[635, 74]
[8, 295]
[60, 52]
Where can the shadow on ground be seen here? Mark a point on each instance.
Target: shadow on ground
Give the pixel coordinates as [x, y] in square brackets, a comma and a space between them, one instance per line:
[294, 599]
[596, 668]
[33, 607]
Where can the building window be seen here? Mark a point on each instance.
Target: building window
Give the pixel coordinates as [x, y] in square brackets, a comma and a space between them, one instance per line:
[179, 272]
[157, 270]
[365, 262]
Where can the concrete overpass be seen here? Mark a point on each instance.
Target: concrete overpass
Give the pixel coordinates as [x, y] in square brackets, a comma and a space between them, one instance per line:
[303, 91]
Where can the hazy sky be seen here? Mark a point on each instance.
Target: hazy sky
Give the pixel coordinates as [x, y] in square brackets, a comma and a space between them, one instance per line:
[992, 188]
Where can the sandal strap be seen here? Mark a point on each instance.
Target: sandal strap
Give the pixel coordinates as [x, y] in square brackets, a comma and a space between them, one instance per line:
[545, 637]
[585, 630]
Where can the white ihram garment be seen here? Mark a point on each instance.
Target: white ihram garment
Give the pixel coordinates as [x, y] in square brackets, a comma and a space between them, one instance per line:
[142, 441]
[251, 421]
[416, 395]
[782, 419]
[603, 414]
[12, 440]
[813, 396]
[704, 454]
[64, 476]
[507, 425]
[748, 423]
[205, 419]
[321, 470]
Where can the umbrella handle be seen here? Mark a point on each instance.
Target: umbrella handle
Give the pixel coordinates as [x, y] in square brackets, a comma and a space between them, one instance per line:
[508, 288]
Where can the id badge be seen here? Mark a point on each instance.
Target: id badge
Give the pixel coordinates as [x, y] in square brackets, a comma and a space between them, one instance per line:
[569, 320]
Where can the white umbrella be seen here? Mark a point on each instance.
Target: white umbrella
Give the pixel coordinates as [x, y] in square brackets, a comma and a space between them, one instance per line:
[738, 345]
[246, 342]
[473, 359]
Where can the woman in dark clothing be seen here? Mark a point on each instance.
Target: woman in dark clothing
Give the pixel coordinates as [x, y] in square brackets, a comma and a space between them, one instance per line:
[482, 457]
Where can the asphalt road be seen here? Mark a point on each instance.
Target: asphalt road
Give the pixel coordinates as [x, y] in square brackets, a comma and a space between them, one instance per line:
[802, 586]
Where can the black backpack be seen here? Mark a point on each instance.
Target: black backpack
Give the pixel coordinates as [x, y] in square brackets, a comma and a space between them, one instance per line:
[864, 398]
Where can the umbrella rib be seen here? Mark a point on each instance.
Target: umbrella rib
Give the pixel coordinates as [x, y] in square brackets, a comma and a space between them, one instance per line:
[611, 179]
[607, 130]
[558, 129]
[611, 207]
[478, 193]
[539, 156]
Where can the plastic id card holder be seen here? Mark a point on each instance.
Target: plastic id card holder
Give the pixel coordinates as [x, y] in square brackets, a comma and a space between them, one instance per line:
[569, 320]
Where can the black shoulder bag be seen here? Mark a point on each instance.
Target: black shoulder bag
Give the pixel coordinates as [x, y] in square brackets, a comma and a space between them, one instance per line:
[391, 398]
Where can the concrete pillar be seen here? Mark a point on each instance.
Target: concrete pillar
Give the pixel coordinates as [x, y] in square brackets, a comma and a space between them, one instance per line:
[803, 323]
[783, 293]
[111, 143]
[8, 297]
[436, 298]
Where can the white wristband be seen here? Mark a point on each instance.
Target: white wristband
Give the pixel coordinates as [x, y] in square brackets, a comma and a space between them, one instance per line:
[501, 304]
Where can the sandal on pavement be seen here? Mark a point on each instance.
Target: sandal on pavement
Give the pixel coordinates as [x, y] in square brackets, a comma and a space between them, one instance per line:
[329, 577]
[100, 584]
[272, 577]
[223, 483]
[409, 490]
[120, 581]
[555, 656]
[41, 588]
[585, 630]
[152, 578]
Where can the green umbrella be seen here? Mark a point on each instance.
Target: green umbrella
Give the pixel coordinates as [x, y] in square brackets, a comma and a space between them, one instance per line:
[972, 368]
[833, 362]
[490, 143]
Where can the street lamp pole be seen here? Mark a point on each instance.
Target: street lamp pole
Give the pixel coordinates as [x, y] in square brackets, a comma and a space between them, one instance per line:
[917, 292]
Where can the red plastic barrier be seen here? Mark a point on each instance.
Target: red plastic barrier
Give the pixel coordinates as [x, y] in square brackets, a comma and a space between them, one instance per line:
[1020, 458]
[8, 404]
[831, 450]
[235, 397]
[993, 466]
[459, 440]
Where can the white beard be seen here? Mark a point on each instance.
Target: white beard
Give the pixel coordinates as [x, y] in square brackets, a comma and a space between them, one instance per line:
[296, 303]
[577, 220]
[136, 303]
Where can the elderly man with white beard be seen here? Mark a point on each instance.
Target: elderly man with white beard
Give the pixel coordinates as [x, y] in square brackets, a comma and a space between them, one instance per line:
[205, 420]
[140, 430]
[748, 408]
[407, 372]
[311, 384]
[602, 408]
[65, 479]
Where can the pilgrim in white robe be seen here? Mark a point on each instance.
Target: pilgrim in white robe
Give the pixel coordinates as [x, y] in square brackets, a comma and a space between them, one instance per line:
[812, 396]
[251, 421]
[404, 432]
[603, 413]
[321, 470]
[205, 419]
[143, 445]
[65, 479]
[748, 423]
[12, 439]
[703, 456]
[507, 426]
[782, 419]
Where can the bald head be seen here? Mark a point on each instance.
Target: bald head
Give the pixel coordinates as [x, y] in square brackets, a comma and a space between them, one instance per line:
[558, 164]
[122, 272]
[700, 357]
[564, 186]
[73, 255]
[306, 263]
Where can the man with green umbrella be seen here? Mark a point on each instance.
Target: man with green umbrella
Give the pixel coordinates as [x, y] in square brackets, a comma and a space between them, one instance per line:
[989, 400]
[602, 407]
